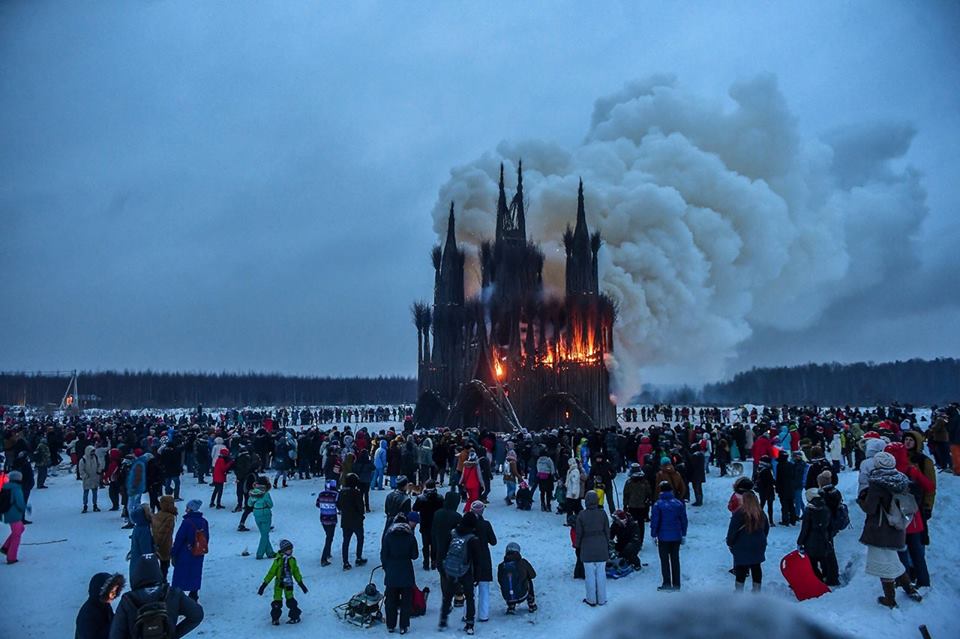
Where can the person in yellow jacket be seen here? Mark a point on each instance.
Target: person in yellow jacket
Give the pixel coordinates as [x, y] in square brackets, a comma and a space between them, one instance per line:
[284, 572]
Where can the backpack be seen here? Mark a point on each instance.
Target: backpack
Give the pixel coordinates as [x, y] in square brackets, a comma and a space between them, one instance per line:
[902, 509]
[457, 562]
[6, 501]
[199, 547]
[841, 518]
[512, 586]
[152, 621]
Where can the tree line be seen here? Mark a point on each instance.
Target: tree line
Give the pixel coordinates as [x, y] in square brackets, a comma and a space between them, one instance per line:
[916, 381]
[148, 389]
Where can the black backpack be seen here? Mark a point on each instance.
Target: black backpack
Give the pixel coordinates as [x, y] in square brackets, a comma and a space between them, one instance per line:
[841, 518]
[152, 621]
[6, 500]
[457, 562]
[513, 586]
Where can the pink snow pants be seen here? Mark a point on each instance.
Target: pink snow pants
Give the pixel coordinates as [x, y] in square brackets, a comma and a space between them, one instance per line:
[12, 544]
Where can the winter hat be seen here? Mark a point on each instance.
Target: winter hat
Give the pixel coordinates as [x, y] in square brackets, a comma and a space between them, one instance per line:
[811, 493]
[413, 517]
[665, 486]
[743, 485]
[635, 469]
[400, 518]
[194, 505]
[824, 479]
[402, 481]
[884, 460]
[472, 456]
[285, 545]
[664, 461]
[513, 547]
[477, 507]
[224, 452]
[620, 516]
[15, 475]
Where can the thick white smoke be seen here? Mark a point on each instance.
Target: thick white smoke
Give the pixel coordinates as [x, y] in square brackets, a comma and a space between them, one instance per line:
[717, 216]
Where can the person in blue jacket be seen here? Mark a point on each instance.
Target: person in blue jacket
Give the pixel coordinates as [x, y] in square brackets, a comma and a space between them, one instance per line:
[141, 537]
[379, 465]
[187, 559]
[668, 528]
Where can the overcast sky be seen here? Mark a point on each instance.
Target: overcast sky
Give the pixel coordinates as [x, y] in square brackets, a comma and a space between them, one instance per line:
[249, 185]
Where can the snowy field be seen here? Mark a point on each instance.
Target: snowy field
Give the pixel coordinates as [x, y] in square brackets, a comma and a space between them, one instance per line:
[63, 548]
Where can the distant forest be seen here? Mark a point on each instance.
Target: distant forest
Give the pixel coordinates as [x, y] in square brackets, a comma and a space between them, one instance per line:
[184, 390]
[919, 382]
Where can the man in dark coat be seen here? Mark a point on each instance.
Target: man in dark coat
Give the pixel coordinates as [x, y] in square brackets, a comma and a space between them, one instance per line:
[444, 522]
[627, 537]
[484, 576]
[396, 503]
[351, 507]
[786, 489]
[397, 553]
[96, 614]
[450, 585]
[427, 504]
[815, 538]
[148, 586]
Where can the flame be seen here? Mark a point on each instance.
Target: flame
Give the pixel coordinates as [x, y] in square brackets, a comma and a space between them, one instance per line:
[498, 369]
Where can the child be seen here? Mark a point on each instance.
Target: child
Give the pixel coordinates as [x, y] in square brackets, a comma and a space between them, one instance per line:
[284, 572]
[220, 469]
[524, 496]
[515, 576]
[262, 505]
[327, 503]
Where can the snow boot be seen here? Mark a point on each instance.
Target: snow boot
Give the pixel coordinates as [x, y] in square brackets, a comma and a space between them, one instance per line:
[276, 609]
[84, 511]
[889, 598]
[756, 587]
[242, 528]
[360, 561]
[293, 610]
[96, 508]
[909, 588]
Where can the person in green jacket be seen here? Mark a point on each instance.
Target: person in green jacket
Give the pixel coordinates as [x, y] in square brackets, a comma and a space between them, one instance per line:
[14, 516]
[262, 505]
[284, 572]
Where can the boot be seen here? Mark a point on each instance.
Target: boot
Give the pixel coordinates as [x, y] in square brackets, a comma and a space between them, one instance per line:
[756, 587]
[889, 598]
[738, 586]
[907, 585]
[96, 508]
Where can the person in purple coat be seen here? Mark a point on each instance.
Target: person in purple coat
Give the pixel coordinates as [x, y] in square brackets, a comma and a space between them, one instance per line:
[188, 566]
[668, 528]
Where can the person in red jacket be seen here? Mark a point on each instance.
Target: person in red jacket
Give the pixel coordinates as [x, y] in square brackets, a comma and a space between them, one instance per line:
[220, 469]
[645, 448]
[914, 557]
[762, 446]
[471, 480]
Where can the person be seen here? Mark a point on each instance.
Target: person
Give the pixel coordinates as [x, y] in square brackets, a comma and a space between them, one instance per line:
[161, 528]
[546, 471]
[913, 442]
[96, 613]
[379, 464]
[524, 496]
[147, 587]
[766, 486]
[397, 502]
[515, 576]
[15, 516]
[90, 469]
[137, 480]
[427, 504]
[885, 487]
[220, 469]
[815, 539]
[189, 548]
[740, 486]
[636, 498]
[573, 490]
[510, 475]
[668, 529]
[327, 503]
[283, 572]
[785, 489]
[747, 541]
[458, 569]
[913, 557]
[626, 537]
[352, 513]
[42, 460]
[247, 483]
[262, 504]
[592, 539]
[669, 474]
[397, 554]
[471, 481]
[141, 536]
[444, 522]
[484, 575]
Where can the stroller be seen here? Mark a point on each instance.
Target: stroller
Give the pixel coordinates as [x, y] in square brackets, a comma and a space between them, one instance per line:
[364, 608]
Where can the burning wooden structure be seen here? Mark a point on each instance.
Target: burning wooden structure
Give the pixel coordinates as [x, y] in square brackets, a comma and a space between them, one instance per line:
[512, 355]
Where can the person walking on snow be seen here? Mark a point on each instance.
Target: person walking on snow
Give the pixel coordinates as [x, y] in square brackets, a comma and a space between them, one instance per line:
[592, 539]
[283, 572]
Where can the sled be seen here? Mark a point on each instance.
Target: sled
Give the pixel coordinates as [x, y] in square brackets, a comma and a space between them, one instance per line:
[365, 608]
[798, 572]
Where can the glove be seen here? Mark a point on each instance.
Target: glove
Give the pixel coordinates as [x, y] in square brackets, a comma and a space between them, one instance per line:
[683, 540]
[262, 587]
[303, 588]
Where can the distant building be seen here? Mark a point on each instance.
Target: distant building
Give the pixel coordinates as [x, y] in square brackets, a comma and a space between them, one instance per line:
[546, 355]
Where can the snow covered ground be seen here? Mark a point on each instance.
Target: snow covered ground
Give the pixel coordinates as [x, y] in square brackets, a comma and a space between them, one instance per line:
[43, 592]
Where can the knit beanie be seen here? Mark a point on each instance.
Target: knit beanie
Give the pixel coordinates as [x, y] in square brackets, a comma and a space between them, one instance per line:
[664, 461]
[194, 505]
[477, 507]
[884, 460]
[811, 493]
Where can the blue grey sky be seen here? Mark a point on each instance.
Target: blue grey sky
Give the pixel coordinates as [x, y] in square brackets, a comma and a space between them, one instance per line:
[250, 185]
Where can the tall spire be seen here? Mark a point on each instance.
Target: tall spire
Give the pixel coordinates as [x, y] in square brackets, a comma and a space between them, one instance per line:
[581, 234]
[503, 213]
[517, 205]
[451, 242]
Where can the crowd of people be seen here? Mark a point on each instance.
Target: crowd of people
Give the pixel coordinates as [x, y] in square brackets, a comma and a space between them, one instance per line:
[441, 481]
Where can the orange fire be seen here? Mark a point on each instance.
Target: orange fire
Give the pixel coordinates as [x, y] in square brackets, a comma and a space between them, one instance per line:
[498, 369]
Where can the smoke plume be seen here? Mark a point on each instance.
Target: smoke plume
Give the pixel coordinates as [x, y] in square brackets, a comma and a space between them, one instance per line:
[717, 216]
